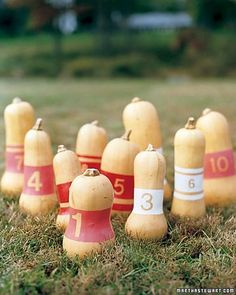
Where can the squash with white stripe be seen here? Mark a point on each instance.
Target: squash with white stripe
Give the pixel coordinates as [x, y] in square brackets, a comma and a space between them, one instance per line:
[147, 220]
[188, 198]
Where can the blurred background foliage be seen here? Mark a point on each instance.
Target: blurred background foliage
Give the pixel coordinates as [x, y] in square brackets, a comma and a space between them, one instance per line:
[105, 38]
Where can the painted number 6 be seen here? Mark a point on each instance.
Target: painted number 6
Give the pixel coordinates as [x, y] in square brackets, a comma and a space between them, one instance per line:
[34, 181]
[191, 183]
[148, 202]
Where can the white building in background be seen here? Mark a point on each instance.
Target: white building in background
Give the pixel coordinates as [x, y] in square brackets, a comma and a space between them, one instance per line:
[66, 21]
[159, 20]
[60, 3]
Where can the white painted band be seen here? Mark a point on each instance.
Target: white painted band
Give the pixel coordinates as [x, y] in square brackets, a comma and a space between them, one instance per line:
[148, 201]
[188, 183]
[188, 170]
[188, 197]
[64, 205]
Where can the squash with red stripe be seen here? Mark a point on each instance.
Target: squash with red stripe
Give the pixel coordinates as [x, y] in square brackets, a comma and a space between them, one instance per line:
[118, 166]
[219, 161]
[19, 118]
[91, 141]
[66, 167]
[39, 195]
[89, 228]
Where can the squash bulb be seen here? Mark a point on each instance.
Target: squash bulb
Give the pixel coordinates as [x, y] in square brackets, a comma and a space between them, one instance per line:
[66, 168]
[89, 228]
[147, 220]
[142, 118]
[189, 146]
[19, 118]
[118, 165]
[91, 141]
[219, 162]
[38, 196]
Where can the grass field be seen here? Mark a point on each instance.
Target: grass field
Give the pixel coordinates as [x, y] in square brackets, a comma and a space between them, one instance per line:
[194, 254]
[194, 52]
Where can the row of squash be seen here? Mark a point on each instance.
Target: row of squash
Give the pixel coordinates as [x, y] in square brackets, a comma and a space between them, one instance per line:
[125, 176]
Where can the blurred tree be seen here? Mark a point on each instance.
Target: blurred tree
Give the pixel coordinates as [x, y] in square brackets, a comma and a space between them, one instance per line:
[213, 14]
[58, 16]
[11, 22]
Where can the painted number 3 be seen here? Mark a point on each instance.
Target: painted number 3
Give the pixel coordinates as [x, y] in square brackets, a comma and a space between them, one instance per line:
[34, 181]
[148, 202]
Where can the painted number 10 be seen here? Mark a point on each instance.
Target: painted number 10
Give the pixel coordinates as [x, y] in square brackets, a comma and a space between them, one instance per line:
[220, 164]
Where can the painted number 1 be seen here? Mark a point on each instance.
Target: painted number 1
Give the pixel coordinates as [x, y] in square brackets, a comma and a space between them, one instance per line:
[77, 218]
[35, 181]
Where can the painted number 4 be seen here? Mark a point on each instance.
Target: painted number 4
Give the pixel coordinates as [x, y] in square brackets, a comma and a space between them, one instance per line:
[34, 181]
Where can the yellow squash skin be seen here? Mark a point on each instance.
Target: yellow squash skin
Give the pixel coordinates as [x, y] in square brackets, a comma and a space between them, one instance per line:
[19, 118]
[220, 191]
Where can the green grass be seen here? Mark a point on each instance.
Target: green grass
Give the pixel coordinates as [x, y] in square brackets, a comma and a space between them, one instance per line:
[194, 52]
[194, 254]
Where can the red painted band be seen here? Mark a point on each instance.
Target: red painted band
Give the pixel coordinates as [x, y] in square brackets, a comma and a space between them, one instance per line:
[219, 164]
[90, 226]
[39, 180]
[15, 161]
[85, 165]
[63, 192]
[123, 207]
[90, 157]
[64, 211]
[63, 196]
[123, 185]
